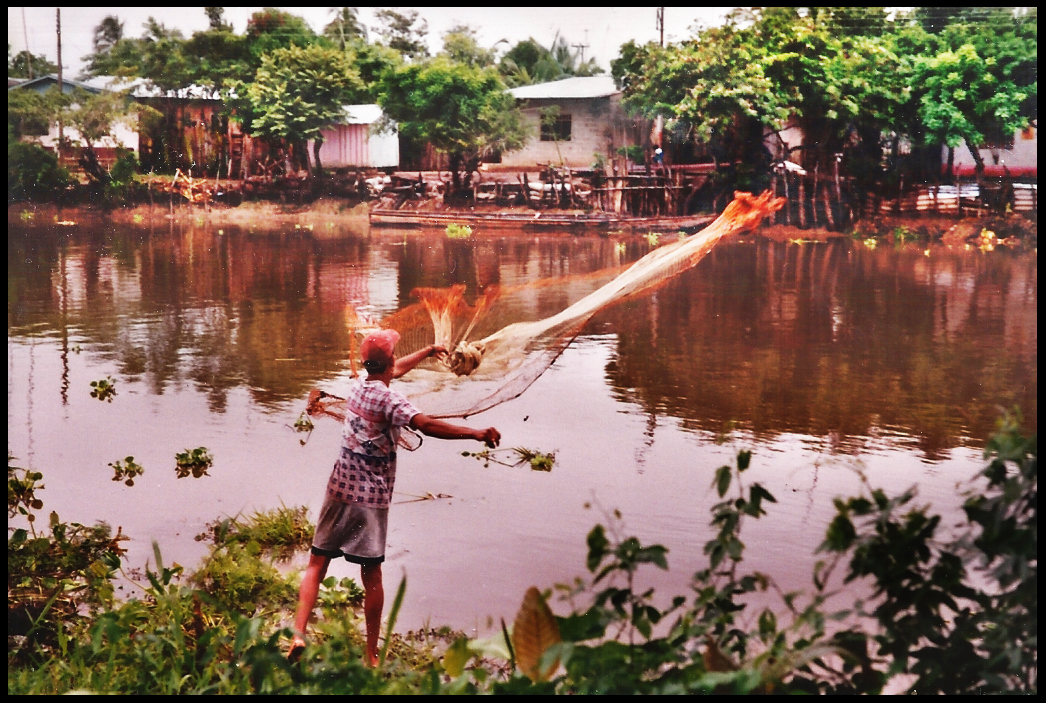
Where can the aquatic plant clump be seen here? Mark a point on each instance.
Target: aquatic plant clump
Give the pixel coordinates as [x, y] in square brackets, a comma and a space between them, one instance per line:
[126, 470]
[456, 231]
[104, 389]
[193, 461]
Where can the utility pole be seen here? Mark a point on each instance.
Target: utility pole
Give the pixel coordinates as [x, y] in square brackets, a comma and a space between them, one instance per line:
[28, 56]
[58, 23]
[581, 48]
[661, 24]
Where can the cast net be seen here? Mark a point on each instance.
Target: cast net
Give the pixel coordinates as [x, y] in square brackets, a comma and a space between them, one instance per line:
[497, 352]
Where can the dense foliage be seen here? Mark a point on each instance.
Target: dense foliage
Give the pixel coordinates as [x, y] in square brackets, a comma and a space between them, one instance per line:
[861, 84]
[845, 76]
[463, 111]
[947, 613]
[296, 93]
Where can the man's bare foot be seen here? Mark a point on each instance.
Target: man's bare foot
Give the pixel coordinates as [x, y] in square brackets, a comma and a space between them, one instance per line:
[296, 649]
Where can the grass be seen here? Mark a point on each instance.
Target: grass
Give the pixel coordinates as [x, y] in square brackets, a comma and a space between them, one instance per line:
[279, 532]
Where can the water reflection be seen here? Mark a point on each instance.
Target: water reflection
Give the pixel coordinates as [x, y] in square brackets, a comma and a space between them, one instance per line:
[836, 340]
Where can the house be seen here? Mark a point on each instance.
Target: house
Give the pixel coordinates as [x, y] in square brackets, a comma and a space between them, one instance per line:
[124, 133]
[356, 143]
[191, 130]
[590, 121]
[1016, 157]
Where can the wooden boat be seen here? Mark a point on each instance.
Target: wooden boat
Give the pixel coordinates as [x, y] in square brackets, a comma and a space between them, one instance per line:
[542, 220]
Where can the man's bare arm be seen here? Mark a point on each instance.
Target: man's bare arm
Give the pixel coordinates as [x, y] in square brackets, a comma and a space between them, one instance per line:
[445, 430]
[411, 360]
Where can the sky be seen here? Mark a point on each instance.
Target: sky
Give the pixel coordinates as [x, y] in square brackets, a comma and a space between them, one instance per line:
[604, 29]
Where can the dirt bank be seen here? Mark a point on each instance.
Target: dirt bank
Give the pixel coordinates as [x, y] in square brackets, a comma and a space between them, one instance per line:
[324, 211]
[259, 213]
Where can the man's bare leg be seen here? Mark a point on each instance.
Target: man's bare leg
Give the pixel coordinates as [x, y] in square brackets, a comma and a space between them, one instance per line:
[373, 603]
[307, 595]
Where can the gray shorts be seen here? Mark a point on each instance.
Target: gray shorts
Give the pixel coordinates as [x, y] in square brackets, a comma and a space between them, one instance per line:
[351, 530]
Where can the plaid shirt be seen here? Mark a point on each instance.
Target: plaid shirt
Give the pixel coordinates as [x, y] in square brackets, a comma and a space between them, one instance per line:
[366, 469]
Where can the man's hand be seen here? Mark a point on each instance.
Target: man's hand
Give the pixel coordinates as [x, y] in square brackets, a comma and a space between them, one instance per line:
[438, 351]
[313, 407]
[490, 436]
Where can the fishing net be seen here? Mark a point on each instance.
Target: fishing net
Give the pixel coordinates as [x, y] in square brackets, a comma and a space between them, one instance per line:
[499, 346]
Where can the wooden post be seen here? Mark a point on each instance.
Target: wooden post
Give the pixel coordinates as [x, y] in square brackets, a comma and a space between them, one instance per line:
[828, 207]
[802, 201]
[177, 172]
[843, 212]
[813, 195]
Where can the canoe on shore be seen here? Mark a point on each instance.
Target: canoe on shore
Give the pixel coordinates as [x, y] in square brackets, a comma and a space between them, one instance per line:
[603, 222]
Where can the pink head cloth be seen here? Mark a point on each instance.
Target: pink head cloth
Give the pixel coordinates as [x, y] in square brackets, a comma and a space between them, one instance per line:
[378, 346]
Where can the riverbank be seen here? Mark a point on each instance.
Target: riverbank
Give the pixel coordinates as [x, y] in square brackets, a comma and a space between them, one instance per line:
[329, 213]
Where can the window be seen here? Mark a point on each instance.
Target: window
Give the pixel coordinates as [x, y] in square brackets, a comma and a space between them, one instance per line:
[556, 131]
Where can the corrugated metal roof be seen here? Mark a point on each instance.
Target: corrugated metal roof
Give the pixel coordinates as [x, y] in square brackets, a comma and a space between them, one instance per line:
[40, 81]
[362, 114]
[580, 87]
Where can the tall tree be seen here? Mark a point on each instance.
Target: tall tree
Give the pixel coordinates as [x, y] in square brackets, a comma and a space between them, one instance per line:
[216, 19]
[403, 32]
[463, 111]
[461, 44]
[345, 27]
[297, 92]
[530, 62]
[95, 117]
[18, 66]
[107, 33]
[961, 100]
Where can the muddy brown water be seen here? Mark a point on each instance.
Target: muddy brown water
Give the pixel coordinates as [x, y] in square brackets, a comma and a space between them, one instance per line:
[828, 359]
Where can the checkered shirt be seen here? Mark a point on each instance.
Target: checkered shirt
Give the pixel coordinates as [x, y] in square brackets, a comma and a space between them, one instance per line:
[366, 469]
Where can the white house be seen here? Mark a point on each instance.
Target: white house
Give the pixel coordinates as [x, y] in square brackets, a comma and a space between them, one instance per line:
[124, 133]
[355, 143]
[591, 121]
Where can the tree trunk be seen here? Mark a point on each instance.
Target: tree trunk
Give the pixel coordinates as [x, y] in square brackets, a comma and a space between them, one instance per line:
[829, 215]
[316, 145]
[455, 174]
[813, 195]
[90, 165]
[978, 171]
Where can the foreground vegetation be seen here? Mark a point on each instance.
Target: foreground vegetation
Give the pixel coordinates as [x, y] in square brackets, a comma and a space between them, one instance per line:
[946, 614]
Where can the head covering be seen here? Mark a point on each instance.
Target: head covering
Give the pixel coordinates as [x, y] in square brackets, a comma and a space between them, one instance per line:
[377, 347]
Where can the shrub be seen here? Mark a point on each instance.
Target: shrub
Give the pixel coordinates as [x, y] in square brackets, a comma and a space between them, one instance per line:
[939, 627]
[33, 173]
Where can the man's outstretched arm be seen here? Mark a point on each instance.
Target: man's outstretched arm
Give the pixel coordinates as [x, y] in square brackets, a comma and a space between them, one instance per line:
[445, 430]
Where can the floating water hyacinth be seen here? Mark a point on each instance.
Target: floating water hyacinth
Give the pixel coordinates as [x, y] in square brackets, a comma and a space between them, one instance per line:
[104, 389]
[456, 231]
[194, 461]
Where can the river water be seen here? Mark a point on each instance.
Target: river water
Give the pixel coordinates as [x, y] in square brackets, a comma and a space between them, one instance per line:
[827, 360]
